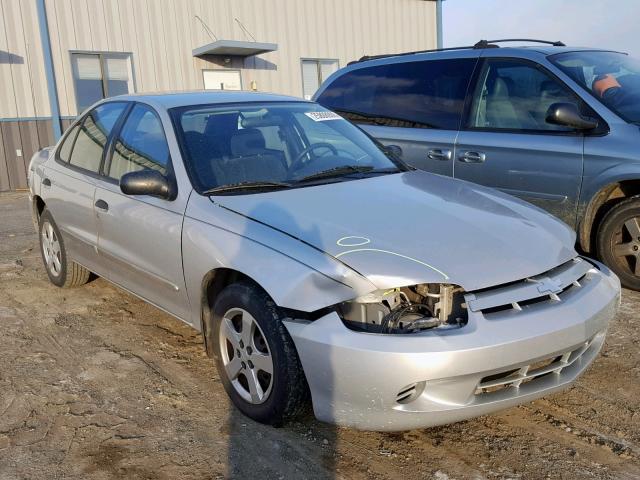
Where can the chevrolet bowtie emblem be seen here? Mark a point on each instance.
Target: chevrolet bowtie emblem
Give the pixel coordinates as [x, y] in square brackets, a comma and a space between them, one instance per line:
[549, 286]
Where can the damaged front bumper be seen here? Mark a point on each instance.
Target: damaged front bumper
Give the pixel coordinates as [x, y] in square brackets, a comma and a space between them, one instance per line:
[501, 358]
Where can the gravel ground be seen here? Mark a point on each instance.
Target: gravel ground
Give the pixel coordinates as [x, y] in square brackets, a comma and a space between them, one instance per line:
[96, 384]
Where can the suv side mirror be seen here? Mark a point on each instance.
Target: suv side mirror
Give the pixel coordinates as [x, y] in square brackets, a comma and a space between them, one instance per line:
[567, 114]
[147, 182]
[394, 150]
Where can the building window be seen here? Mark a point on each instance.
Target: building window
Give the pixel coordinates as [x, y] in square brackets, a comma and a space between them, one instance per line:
[100, 75]
[222, 79]
[314, 72]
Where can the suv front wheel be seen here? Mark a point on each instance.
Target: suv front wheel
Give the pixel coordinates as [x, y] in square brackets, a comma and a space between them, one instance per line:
[619, 242]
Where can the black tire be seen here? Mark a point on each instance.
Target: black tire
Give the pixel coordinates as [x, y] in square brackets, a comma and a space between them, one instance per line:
[289, 392]
[615, 236]
[69, 274]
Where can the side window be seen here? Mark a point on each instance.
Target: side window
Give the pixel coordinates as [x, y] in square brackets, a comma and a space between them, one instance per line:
[64, 152]
[425, 94]
[93, 134]
[516, 96]
[141, 144]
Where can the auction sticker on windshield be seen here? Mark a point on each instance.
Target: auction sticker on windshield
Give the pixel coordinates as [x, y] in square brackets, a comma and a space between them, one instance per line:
[323, 116]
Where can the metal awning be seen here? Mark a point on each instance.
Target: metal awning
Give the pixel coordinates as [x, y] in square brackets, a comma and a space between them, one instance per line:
[235, 48]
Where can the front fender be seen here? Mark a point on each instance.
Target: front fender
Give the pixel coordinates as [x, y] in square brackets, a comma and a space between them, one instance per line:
[295, 275]
[596, 190]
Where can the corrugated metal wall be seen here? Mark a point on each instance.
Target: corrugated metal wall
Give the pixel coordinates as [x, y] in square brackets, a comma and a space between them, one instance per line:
[160, 35]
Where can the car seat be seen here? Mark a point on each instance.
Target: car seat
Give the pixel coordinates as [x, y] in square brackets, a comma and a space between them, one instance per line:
[252, 161]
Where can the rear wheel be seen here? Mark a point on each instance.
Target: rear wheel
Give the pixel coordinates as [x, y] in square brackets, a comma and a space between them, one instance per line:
[619, 242]
[61, 271]
[255, 356]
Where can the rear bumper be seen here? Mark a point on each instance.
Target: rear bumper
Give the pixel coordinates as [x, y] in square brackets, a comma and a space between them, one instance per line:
[401, 382]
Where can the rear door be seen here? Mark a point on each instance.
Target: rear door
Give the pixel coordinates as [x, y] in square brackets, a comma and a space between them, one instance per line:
[506, 142]
[416, 105]
[139, 237]
[69, 182]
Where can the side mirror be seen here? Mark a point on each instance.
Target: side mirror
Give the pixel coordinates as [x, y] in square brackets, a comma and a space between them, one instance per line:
[394, 150]
[147, 182]
[568, 115]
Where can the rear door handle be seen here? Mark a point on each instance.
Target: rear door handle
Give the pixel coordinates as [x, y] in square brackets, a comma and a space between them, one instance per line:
[472, 157]
[439, 154]
[102, 205]
[46, 182]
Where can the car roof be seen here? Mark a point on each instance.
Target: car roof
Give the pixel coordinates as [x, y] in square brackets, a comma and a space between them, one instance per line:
[167, 100]
[527, 51]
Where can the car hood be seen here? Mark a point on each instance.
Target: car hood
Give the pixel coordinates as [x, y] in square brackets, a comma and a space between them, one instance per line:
[416, 227]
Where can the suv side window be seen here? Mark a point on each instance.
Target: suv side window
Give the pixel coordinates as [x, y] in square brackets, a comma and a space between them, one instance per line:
[423, 94]
[514, 95]
[93, 134]
[141, 144]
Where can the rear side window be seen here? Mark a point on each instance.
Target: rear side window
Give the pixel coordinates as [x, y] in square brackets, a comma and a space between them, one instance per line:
[64, 152]
[425, 94]
[141, 144]
[93, 134]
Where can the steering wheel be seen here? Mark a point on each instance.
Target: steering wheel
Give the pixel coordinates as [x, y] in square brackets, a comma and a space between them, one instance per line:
[297, 162]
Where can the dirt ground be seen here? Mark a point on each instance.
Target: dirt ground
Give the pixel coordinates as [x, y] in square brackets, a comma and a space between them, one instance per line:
[96, 384]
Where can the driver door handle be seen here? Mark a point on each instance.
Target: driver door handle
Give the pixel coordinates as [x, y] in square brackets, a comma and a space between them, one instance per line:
[472, 157]
[439, 154]
[102, 205]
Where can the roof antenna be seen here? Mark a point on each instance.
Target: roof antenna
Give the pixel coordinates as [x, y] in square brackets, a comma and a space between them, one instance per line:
[247, 33]
[206, 29]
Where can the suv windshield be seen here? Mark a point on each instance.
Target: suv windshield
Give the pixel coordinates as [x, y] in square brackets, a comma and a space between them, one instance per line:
[247, 148]
[613, 78]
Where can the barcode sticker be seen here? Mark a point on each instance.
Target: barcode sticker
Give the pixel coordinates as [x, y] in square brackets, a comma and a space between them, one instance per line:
[323, 116]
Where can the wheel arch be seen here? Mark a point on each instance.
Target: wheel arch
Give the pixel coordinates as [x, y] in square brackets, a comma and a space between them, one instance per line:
[602, 201]
[213, 283]
[37, 207]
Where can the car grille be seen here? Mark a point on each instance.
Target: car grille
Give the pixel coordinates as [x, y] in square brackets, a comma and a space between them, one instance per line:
[517, 376]
[552, 286]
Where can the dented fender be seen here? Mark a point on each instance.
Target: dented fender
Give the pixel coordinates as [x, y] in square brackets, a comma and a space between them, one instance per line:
[307, 281]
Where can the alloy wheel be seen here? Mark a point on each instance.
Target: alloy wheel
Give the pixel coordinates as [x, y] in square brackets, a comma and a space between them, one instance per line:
[626, 248]
[51, 249]
[246, 356]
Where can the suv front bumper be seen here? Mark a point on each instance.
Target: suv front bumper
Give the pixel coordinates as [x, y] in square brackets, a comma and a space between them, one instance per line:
[401, 382]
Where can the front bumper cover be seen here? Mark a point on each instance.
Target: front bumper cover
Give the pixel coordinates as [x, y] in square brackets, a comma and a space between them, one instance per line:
[356, 379]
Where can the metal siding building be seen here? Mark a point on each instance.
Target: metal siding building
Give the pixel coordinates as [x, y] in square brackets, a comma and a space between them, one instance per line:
[104, 46]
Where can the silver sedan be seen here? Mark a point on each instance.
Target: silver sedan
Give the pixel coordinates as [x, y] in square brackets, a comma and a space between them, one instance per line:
[316, 263]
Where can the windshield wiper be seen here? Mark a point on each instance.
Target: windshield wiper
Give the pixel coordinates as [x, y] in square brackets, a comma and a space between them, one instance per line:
[345, 170]
[237, 187]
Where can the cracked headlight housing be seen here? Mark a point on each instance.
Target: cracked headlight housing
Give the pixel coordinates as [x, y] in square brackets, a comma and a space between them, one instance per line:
[407, 310]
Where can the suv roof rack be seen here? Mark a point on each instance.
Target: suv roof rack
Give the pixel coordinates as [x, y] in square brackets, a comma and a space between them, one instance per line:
[479, 45]
[490, 43]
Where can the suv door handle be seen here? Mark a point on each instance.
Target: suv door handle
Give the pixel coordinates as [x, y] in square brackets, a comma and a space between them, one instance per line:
[102, 205]
[472, 157]
[439, 154]
[46, 182]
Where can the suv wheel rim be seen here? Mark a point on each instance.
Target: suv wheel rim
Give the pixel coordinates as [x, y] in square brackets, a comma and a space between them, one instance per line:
[51, 249]
[626, 246]
[246, 356]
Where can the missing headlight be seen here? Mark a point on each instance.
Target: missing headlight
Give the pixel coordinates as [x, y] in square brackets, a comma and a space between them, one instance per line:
[407, 309]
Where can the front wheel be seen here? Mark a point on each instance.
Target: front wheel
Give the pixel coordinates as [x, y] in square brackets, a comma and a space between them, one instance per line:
[62, 271]
[619, 242]
[255, 356]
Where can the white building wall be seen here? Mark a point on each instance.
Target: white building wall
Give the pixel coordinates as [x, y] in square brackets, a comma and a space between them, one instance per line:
[160, 35]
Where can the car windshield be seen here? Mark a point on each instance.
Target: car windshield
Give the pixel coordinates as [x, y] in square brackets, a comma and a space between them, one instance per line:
[253, 147]
[613, 78]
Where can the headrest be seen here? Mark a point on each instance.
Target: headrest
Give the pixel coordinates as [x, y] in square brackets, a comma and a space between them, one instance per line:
[500, 88]
[223, 124]
[249, 141]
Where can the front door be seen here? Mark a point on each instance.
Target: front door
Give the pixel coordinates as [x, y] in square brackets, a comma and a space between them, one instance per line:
[507, 143]
[139, 237]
